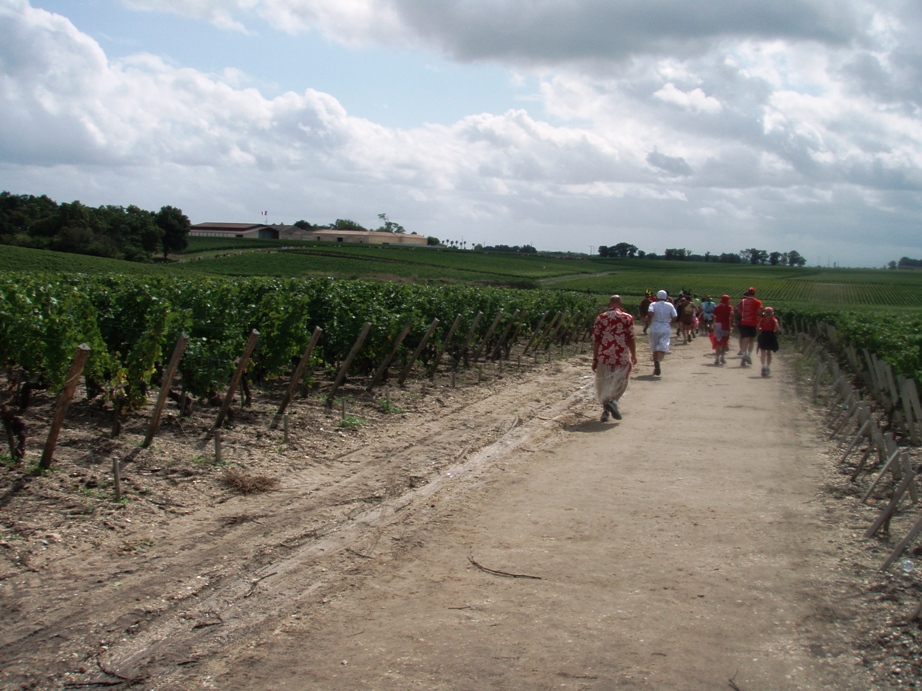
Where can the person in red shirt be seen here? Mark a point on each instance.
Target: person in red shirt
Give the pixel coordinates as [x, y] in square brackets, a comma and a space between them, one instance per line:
[614, 355]
[769, 328]
[723, 314]
[748, 312]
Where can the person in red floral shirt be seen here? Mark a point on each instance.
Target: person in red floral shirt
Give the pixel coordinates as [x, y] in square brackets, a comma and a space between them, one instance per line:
[613, 355]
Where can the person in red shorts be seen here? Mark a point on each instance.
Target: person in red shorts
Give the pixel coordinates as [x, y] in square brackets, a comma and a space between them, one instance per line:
[722, 314]
[748, 312]
[769, 328]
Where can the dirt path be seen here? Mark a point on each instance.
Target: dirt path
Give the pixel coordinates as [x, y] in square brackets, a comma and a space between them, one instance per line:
[682, 547]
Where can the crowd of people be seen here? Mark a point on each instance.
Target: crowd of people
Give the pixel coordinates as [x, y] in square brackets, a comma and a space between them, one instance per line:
[614, 352]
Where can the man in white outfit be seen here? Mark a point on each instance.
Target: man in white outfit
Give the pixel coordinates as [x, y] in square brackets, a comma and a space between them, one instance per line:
[660, 317]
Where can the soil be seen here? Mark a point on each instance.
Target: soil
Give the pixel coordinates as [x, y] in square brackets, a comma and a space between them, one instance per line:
[494, 534]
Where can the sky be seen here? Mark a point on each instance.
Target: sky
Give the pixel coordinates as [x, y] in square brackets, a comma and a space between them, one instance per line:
[564, 124]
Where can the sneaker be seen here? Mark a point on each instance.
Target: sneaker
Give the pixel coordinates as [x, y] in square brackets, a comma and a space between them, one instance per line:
[656, 369]
[768, 371]
[764, 371]
[605, 416]
[723, 359]
[615, 410]
[717, 360]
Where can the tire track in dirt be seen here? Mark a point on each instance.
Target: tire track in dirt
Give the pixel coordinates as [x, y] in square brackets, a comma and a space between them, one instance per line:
[143, 614]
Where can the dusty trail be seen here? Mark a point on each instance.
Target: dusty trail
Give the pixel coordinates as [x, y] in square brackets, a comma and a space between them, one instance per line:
[679, 548]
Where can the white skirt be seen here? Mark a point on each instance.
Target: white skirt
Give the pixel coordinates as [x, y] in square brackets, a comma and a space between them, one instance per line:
[611, 382]
[659, 334]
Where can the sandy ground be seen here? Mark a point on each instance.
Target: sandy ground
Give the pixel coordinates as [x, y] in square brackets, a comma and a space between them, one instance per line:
[503, 540]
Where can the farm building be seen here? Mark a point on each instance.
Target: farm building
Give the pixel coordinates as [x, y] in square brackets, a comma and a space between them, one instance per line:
[366, 237]
[281, 232]
[236, 230]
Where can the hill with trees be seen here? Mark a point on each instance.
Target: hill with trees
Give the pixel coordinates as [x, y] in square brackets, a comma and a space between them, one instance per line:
[114, 232]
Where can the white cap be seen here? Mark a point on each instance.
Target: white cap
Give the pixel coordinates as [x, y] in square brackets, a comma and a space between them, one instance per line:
[662, 295]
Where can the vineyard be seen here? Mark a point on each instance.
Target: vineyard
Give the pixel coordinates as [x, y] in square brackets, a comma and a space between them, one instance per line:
[130, 325]
[222, 291]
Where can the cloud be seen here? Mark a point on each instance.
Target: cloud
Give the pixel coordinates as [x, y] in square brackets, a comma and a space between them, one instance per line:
[695, 99]
[670, 164]
[793, 134]
[541, 32]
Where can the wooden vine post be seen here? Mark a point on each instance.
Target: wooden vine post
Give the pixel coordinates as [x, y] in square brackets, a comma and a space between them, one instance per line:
[165, 389]
[467, 340]
[498, 349]
[238, 375]
[296, 378]
[417, 352]
[64, 399]
[348, 363]
[556, 332]
[534, 334]
[451, 334]
[499, 315]
[546, 331]
[390, 358]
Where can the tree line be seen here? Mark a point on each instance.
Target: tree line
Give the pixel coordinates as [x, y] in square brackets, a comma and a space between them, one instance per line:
[752, 255]
[116, 232]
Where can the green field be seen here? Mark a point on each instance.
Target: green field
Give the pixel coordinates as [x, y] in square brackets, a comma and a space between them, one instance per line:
[851, 288]
[783, 286]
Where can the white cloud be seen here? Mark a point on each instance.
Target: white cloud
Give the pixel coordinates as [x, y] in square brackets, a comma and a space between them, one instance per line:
[695, 99]
[739, 135]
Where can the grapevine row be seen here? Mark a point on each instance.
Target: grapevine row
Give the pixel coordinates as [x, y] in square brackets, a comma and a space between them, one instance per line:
[130, 323]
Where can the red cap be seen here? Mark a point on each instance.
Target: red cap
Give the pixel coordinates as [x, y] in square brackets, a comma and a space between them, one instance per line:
[752, 290]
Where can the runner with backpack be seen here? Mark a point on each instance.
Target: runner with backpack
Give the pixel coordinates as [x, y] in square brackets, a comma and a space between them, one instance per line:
[748, 312]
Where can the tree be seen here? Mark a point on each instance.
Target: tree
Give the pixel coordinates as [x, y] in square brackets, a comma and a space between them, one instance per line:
[673, 253]
[304, 225]
[754, 256]
[776, 258]
[389, 226]
[175, 226]
[623, 250]
[346, 224]
[432, 240]
[604, 251]
[794, 258]
[730, 258]
[891, 264]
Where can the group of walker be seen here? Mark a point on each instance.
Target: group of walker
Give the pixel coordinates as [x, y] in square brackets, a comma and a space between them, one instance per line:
[614, 352]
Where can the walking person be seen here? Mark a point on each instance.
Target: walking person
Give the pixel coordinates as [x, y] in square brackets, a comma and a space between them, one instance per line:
[748, 312]
[644, 306]
[707, 314]
[679, 305]
[687, 316]
[614, 355]
[660, 317]
[723, 316]
[769, 328]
